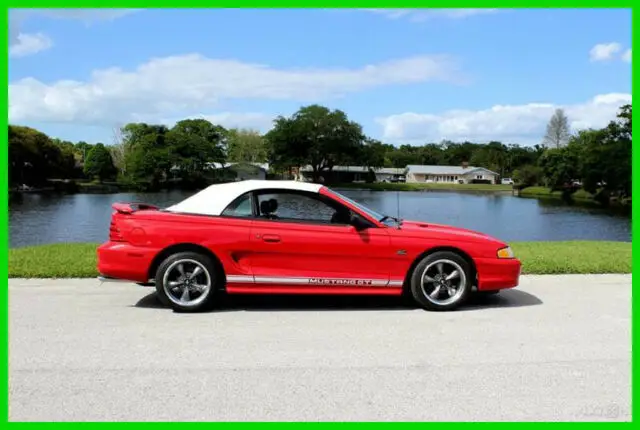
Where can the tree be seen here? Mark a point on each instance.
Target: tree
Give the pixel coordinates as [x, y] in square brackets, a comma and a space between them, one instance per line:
[99, 163]
[521, 157]
[403, 156]
[192, 143]
[560, 167]
[430, 154]
[316, 136]
[34, 157]
[372, 154]
[65, 166]
[527, 175]
[282, 152]
[82, 149]
[246, 145]
[118, 150]
[558, 133]
[457, 153]
[493, 156]
[147, 156]
[605, 157]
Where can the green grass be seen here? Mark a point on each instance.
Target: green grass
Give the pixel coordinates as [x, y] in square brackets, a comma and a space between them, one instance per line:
[546, 192]
[399, 186]
[573, 257]
[95, 186]
[78, 260]
[66, 260]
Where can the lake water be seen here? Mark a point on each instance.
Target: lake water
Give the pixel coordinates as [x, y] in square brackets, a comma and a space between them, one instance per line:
[41, 219]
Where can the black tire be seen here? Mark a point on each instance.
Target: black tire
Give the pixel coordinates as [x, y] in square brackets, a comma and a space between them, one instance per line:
[207, 274]
[452, 261]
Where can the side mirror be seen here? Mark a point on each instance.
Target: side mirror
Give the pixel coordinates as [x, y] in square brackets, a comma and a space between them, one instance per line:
[358, 223]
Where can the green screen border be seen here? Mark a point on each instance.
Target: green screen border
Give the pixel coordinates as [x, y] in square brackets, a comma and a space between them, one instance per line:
[4, 306]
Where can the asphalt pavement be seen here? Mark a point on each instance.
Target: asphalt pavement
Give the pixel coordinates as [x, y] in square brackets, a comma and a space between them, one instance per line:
[557, 348]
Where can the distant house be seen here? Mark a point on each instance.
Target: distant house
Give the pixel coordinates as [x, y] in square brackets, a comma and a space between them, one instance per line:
[355, 173]
[463, 174]
[389, 174]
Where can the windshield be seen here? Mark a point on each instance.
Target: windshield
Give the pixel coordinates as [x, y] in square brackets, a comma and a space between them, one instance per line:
[376, 215]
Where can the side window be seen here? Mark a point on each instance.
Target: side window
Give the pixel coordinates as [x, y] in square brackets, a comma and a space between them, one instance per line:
[298, 207]
[240, 207]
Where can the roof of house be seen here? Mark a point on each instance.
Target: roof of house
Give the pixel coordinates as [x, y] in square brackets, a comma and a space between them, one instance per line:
[215, 198]
[361, 169]
[444, 170]
[391, 170]
[264, 166]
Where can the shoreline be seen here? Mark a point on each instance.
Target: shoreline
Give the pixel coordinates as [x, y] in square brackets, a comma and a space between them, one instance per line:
[77, 187]
[579, 198]
[423, 187]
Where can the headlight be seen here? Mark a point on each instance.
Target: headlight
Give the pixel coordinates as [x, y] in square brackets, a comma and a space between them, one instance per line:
[506, 253]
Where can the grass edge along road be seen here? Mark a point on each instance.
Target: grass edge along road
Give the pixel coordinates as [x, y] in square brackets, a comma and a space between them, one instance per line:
[78, 260]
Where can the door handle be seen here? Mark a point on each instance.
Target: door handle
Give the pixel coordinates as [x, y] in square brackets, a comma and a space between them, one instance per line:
[272, 238]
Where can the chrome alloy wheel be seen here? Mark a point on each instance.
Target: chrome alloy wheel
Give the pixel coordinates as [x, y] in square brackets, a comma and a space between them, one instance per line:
[443, 282]
[187, 282]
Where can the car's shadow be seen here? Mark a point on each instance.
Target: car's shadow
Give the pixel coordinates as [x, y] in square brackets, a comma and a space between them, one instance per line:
[278, 303]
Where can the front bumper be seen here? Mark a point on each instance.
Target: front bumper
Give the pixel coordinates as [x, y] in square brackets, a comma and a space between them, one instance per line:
[498, 274]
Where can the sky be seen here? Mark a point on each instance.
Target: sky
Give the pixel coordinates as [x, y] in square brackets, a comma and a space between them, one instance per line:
[408, 76]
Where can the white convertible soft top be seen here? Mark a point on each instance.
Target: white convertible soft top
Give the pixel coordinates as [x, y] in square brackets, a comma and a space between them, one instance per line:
[215, 198]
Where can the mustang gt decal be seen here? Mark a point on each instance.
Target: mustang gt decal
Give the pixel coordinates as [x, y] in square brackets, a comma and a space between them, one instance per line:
[324, 281]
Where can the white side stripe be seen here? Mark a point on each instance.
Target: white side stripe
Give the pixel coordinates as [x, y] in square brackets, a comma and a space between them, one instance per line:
[239, 279]
[281, 280]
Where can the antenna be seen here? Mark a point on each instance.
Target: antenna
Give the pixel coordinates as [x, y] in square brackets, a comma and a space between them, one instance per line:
[398, 207]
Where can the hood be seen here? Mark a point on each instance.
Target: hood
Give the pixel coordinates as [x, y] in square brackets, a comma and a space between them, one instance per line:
[420, 228]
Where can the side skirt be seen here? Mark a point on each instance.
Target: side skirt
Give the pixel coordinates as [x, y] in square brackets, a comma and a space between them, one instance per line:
[243, 284]
[281, 289]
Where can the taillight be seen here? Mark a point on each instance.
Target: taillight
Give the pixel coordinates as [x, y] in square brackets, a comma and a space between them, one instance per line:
[114, 233]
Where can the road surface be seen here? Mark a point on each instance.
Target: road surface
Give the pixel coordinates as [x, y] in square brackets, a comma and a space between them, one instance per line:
[555, 348]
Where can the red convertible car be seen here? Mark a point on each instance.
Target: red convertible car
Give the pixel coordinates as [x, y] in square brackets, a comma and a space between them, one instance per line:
[292, 237]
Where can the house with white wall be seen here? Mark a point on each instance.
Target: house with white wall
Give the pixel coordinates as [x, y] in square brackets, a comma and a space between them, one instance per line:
[463, 174]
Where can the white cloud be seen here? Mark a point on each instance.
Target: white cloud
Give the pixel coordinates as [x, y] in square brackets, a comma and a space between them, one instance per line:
[626, 57]
[523, 124]
[419, 15]
[22, 44]
[251, 120]
[29, 44]
[87, 15]
[604, 51]
[165, 87]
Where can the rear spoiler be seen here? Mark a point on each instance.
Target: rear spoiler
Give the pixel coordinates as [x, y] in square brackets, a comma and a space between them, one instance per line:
[129, 208]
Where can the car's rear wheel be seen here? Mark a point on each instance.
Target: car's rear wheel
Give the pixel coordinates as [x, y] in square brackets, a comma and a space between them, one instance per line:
[187, 281]
[441, 281]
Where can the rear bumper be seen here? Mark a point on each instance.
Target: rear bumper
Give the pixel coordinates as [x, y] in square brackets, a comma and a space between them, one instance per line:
[498, 274]
[123, 261]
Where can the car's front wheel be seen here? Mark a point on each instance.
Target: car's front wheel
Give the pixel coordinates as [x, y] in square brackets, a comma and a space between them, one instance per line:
[186, 281]
[441, 281]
